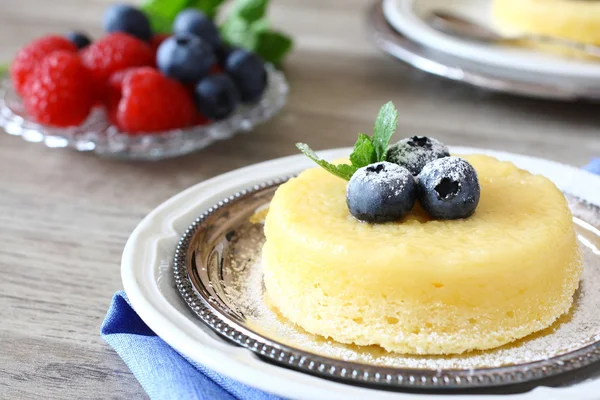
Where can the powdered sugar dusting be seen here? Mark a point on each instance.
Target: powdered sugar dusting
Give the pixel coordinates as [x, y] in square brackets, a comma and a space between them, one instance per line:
[581, 326]
[455, 168]
[385, 174]
[414, 158]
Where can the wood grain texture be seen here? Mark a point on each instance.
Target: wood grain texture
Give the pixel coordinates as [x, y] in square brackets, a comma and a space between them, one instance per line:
[65, 216]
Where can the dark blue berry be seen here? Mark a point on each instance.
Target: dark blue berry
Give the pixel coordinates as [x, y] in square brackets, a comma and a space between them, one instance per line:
[223, 51]
[78, 39]
[449, 188]
[197, 23]
[127, 19]
[381, 192]
[216, 96]
[415, 152]
[185, 57]
[248, 72]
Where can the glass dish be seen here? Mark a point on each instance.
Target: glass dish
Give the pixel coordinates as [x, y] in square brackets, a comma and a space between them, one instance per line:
[98, 136]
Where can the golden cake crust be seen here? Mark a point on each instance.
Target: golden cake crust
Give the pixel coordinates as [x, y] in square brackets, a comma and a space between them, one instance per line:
[422, 286]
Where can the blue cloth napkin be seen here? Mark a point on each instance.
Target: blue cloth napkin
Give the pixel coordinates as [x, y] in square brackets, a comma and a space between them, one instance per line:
[166, 374]
[163, 372]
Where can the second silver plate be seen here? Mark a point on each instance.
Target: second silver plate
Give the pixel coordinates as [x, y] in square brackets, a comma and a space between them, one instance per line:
[218, 273]
[431, 61]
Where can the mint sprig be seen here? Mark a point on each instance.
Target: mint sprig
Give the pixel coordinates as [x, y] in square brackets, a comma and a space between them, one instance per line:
[246, 25]
[367, 150]
[3, 69]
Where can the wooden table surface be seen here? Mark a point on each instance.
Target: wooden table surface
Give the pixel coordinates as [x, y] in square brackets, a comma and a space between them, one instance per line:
[65, 216]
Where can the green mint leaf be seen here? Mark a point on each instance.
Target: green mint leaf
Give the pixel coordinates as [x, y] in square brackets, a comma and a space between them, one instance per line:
[343, 171]
[237, 32]
[208, 7]
[385, 126]
[3, 69]
[162, 13]
[273, 46]
[250, 10]
[364, 152]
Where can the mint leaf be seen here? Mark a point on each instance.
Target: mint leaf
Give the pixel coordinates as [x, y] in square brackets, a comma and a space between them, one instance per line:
[272, 46]
[364, 152]
[162, 13]
[385, 126]
[208, 7]
[250, 10]
[3, 69]
[237, 31]
[343, 171]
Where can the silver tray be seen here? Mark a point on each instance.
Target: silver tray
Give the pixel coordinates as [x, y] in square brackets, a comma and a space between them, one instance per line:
[217, 271]
[385, 37]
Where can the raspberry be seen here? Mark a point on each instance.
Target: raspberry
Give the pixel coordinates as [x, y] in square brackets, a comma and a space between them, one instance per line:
[60, 92]
[30, 56]
[114, 92]
[115, 52]
[152, 102]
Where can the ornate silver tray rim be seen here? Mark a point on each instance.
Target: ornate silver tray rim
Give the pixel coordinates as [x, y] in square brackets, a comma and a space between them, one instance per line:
[203, 305]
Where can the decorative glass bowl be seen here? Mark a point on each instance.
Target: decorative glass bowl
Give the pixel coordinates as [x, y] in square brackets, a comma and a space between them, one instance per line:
[97, 135]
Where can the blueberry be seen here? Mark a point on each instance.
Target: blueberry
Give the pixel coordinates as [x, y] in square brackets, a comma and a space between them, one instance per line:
[79, 39]
[216, 96]
[248, 72]
[223, 51]
[381, 192]
[128, 19]
[185, 57]
[449, 188]
[413, 153]
[195, 22]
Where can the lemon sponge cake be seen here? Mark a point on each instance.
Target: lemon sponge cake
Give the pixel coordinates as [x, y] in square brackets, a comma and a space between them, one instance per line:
[578, 20]
[421, 285]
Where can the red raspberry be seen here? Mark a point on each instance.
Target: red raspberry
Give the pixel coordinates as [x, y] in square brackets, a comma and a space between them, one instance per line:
[30, 56]
[60, 92]
[152, 102]
[115, 52]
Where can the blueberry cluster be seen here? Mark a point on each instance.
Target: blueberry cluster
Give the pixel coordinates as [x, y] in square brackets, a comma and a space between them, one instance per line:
[222, 77]
[418, 168]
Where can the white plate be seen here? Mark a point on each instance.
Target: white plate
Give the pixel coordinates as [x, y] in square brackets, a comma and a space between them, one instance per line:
[148, 281]
[408, 17]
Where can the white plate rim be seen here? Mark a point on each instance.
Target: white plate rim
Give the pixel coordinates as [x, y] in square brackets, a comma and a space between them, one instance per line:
[400, 15]
[150, 242]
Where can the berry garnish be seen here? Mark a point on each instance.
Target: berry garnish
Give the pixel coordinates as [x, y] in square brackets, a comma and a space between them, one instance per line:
[223, 51]
[448, 188]
[60, 91]
[30, 56]
[127, 19]
[367, 149]
[216, 96]
[197, 23]
[80, 40]
[381, 192]
[152, 102]
[415, 152]
[185, 57]
[248, 72]
[115, 52]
